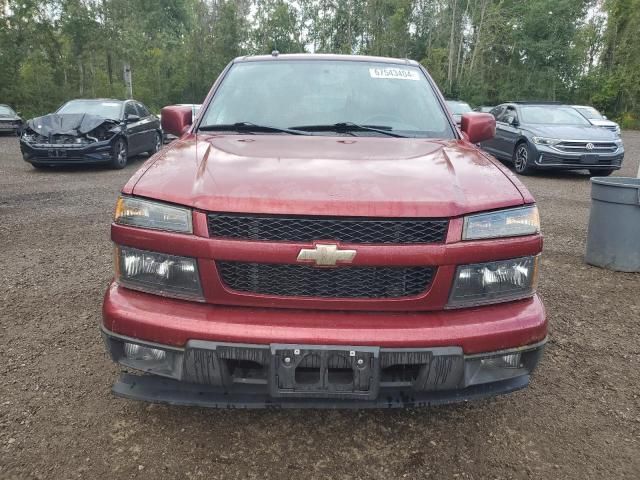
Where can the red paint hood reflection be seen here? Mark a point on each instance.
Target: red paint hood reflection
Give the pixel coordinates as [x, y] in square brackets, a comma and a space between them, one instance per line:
[326, 175]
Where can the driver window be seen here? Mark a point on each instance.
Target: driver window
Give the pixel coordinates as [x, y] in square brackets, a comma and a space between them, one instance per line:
[496, 111]
[506, 113]
[129, 109]
[142, 111]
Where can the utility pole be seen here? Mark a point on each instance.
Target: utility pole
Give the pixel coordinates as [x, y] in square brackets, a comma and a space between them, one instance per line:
[128, 82]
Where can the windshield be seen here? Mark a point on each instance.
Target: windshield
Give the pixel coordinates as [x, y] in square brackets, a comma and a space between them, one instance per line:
[4, 110]
[590, 113]
[458, 108]
[105, 109]
[549, 115]
[297, 93]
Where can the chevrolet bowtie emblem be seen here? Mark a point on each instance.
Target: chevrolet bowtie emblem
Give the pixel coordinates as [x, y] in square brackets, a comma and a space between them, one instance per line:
[326, 255]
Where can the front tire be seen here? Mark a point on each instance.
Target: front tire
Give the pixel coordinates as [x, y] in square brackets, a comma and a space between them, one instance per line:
[601, 173]
[120, 154]
[157, 145]
[523, 159]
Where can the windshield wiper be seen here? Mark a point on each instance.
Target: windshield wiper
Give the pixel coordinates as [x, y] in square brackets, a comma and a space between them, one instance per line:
[346, 127]
[249, 127]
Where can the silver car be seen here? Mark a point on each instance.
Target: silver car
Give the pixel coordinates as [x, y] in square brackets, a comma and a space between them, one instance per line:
[10, 121]
[597, 119]
[552, 136]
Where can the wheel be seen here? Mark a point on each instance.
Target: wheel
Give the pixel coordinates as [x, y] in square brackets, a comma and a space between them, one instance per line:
[157, 144]
[601, 173]
[523, 158]
[120, 154]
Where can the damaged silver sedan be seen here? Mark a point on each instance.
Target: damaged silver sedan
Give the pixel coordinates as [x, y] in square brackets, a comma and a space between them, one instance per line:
[99, 131]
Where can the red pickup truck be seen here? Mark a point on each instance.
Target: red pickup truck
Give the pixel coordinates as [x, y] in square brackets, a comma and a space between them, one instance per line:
[322, 234]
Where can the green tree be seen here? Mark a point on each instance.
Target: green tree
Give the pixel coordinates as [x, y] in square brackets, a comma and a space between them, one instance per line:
[485, 51]
[278, 26]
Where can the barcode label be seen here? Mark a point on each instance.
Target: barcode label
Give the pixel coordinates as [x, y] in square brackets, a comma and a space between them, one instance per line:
[394, 73]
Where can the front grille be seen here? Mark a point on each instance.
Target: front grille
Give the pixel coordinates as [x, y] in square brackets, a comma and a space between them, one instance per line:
[67, 141]
[344, 229]
[580, 146]
[342, 282]
[546, 159]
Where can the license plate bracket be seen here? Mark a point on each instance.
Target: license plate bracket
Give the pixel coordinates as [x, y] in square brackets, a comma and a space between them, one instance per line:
[589, 159]
[56, 153]
[324, 371]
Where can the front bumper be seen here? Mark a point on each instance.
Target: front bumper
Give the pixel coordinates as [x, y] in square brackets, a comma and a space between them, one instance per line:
[67, 154]
[222, 355]
[550, 158]
[314, 376]
[174, 322]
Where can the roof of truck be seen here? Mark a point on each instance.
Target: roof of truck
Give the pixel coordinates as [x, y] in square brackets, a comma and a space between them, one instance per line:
[325, 56]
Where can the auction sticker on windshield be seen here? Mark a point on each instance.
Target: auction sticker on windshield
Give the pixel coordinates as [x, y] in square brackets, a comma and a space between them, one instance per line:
[394, 73]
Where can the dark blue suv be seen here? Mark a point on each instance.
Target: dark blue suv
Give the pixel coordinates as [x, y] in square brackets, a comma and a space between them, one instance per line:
[551, 136]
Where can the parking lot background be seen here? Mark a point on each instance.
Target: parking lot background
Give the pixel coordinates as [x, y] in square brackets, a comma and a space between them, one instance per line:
[580, 418]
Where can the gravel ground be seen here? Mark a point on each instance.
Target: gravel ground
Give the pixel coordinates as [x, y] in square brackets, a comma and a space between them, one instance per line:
[579, 419]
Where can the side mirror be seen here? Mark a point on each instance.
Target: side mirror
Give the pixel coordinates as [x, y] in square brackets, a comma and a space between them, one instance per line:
[20, 114]
[605, 117]
[176, 119]
[132, 118]
[478, 127]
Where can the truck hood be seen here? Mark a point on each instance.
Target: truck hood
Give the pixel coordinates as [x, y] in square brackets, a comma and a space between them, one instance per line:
[325, 175]
[573, 132]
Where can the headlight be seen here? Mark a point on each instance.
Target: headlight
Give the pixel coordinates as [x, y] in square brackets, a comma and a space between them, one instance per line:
[488, 368]
[147, 214]
[503, 223]
[545, 141]
[133, 351]
[156, 359]
[494, 282]
[158, 273]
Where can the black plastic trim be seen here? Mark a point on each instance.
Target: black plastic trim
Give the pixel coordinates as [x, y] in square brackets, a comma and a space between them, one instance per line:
[162, 390]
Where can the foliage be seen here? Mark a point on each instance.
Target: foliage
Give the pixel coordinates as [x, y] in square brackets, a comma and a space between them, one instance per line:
[484, 51]
[629, 120]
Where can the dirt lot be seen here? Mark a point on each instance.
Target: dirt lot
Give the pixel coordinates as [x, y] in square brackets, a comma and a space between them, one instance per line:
[579, 419]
